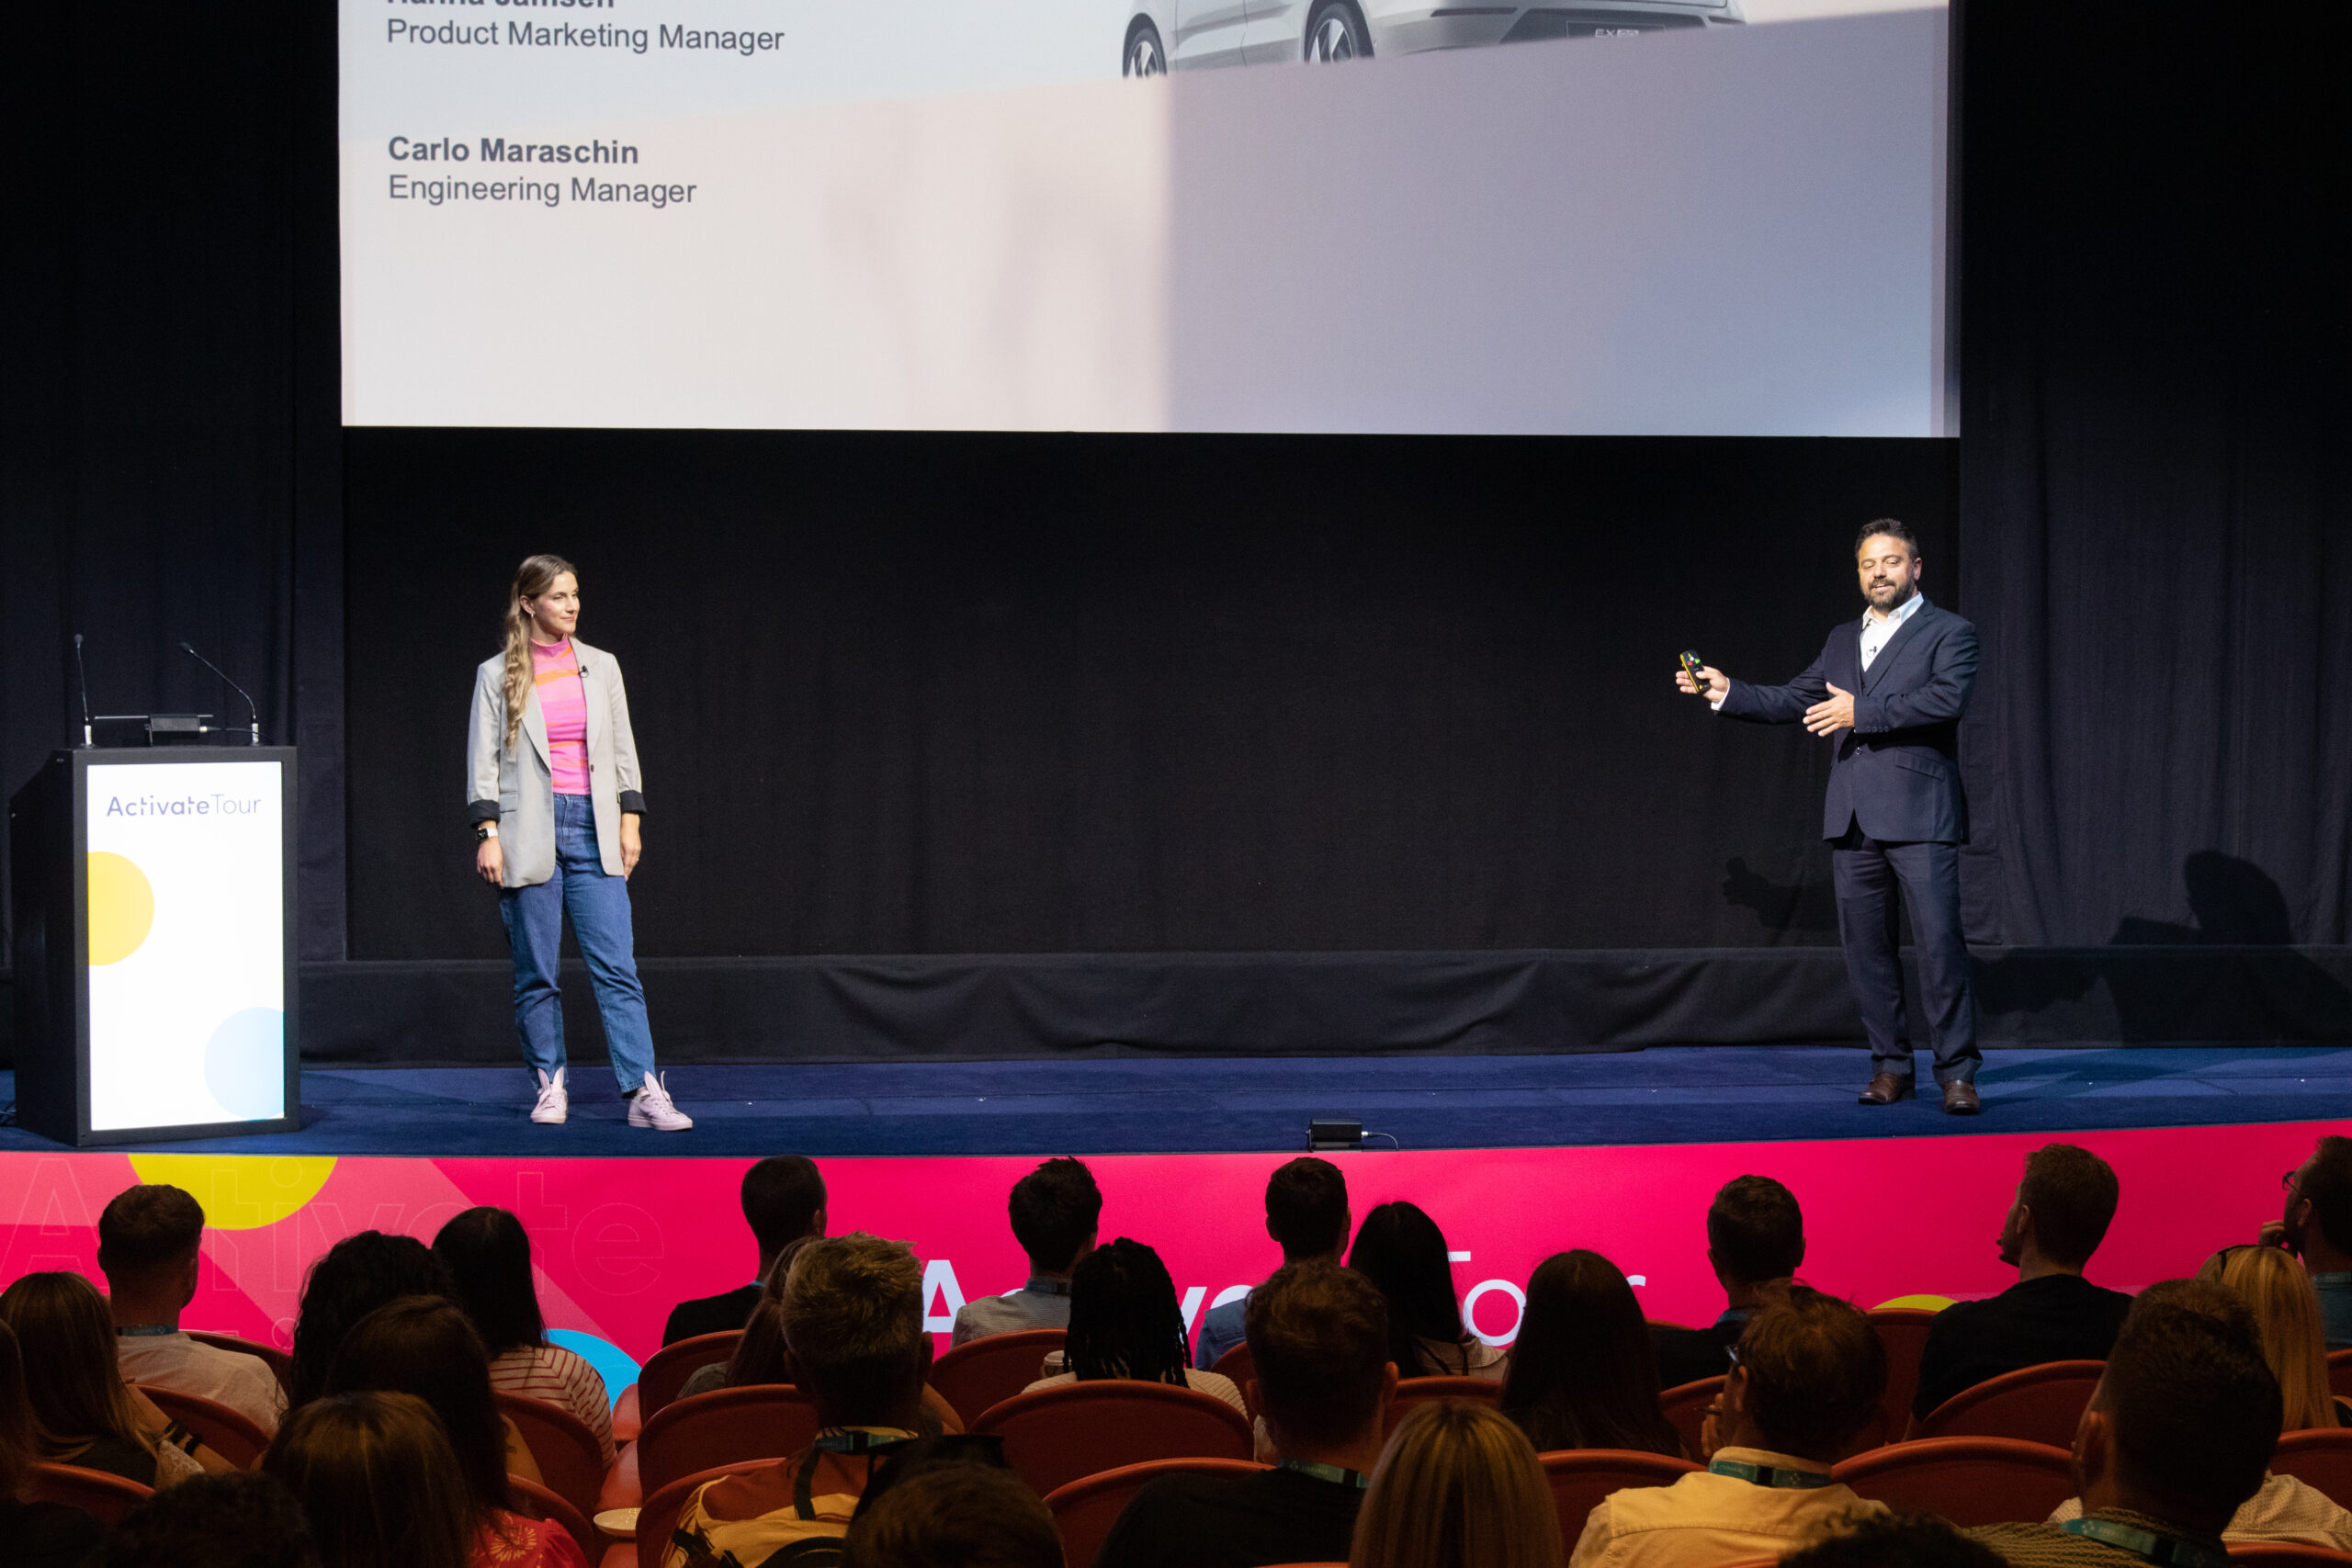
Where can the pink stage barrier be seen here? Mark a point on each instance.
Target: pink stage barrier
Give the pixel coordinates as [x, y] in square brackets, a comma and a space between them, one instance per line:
[617, 1241]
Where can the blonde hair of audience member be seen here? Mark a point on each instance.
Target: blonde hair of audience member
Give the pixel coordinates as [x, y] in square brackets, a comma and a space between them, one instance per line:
[2286, 1314]
[378, 1481]
[852, 1315]
[1458, 1487]
[72, 1383]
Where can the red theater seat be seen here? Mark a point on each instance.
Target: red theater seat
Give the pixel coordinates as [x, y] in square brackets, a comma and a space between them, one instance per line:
[535, 1500]
[1236, 1364]
[1580, 1478]
[2339, 1373]
[570, 1458]
[2320, 1456]
[1903, 1332]
[2035, 1404]
[104, 1496]
[659, 1517]
[1970, 1481]
[231, 1434]
[1085, 1509]
[1056, 1435]
[667, 1369]
[989, 1371]
[1686, 1408]
[2281, 1554]
[1414, 1393]
[728, 1425]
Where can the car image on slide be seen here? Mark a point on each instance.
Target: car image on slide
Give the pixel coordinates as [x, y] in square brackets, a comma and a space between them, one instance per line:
[1165, 35]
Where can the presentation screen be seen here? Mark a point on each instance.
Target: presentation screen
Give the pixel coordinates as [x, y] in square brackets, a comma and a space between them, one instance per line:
[186, 932]
[1637, 216]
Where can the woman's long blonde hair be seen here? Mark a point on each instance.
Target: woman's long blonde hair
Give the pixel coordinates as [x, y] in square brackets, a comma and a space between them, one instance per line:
[1458, 1487]
[2286, 1312]
[72, 1379]
[533, 578]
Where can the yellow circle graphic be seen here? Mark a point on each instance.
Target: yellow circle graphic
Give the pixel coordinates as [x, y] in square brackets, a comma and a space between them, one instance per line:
[240, 1193]
[123, 908]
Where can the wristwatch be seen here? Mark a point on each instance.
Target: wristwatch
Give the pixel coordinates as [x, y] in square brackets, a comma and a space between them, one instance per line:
[485, 831]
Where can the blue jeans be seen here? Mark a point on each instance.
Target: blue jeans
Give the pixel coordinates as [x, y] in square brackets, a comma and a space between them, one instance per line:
[600, 922]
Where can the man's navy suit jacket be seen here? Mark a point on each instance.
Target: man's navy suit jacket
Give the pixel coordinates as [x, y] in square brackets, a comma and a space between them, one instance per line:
[1896, 773]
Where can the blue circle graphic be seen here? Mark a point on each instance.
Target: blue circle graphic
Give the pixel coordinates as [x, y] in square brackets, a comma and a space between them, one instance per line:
[245, 1064]
[612, 1363]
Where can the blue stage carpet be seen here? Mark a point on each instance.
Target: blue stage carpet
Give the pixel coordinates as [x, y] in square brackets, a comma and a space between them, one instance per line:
[1153, 1105]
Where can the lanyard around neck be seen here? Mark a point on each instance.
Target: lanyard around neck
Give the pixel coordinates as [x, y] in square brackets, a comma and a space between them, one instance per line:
[145, 1330]
[1770, 1475]
[1355, 1479]
[2168, 1551]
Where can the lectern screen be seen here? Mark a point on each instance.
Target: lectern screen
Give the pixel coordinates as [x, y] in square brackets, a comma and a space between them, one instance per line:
[186, 921]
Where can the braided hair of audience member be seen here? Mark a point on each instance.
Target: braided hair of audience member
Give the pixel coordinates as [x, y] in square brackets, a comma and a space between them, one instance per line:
[1401, 1250]
[354, 1276]
[1124, 1320]
[423, 1346]
[1583, 1373]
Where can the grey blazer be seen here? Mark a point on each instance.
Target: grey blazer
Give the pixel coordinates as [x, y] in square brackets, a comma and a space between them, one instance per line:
[515, 788]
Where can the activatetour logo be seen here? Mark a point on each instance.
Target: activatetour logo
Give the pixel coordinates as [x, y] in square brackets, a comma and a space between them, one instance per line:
[214, 805]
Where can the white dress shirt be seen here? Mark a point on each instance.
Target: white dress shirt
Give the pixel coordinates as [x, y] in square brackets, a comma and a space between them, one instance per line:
[1705, 1519]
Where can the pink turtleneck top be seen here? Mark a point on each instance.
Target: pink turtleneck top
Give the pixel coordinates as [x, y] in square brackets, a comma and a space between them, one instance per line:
[563, 703]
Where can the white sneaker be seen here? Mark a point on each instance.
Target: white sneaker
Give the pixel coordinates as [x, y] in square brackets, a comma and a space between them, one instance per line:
[554, 1103]
[650, 1107]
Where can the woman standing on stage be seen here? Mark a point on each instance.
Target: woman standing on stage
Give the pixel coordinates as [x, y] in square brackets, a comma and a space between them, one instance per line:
[552, 789]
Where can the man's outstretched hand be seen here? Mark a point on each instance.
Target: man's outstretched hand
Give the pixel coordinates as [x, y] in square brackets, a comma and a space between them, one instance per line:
[1833, 713]
[1717, 688]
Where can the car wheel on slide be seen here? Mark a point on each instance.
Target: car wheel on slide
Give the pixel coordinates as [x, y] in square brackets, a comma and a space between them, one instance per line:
[1335, 31]
[1144, 57]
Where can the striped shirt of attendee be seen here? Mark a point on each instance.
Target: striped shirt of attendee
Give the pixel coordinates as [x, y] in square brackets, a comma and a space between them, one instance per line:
[553, 1375]
[563, 703]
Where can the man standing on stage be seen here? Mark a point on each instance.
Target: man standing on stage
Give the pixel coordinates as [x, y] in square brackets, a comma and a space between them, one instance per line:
[1889, 690]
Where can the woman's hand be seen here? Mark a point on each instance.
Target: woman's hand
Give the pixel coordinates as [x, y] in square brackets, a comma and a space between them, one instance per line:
[489, 862]
[632, 842]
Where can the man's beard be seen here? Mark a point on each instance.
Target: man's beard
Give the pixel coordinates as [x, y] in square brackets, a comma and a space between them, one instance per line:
[1900, 597]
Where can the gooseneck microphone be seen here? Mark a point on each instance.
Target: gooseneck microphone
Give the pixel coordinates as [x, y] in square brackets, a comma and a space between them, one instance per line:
[82, 684]
[253, 714]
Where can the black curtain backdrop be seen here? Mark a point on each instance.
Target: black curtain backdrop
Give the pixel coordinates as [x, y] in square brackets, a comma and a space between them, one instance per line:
[1277, 702]
[997, 695]
[2153, 475]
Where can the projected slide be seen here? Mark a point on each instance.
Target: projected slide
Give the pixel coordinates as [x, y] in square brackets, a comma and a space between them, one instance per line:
[1647, 217]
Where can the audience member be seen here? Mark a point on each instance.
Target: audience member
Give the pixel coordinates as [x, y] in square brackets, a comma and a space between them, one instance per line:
[1583, 1374]
[489, 1255]
[1894, 1540]
[1401, 1250]
[83, 1412]
[1055, 1211]
[1458, 1487]
[235, 1520]
[758, 1356]
[1806, 1376]
[40, 1535]
[783, 1199]
[2052, 1313]
[1320, 1383]
[377, 1481]
[2286, 1509]
[423, 1346]
[352, 1279]
[2317, 1228]
[148, 1239]
[1124, 1323]
[2178, 1436]
[1755, 1245]
[1306, 1216]
[952, 1514]
[2287, 1315]
[852, 1314]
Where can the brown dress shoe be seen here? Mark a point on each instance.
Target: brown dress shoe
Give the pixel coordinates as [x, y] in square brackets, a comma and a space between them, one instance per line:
[1960, 1100]
[1885, 1089]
